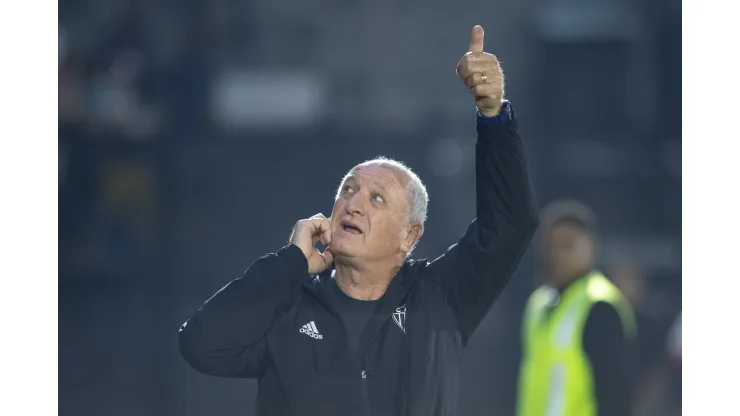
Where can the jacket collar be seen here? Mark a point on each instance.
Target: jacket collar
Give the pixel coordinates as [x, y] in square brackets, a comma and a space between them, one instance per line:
[391, 299]
[394, 297]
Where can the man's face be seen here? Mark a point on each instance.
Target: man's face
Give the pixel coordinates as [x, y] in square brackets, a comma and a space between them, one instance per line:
[369, 216]
[568, 252]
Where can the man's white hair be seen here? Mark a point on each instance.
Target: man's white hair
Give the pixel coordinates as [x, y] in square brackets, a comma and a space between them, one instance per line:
[417, 192]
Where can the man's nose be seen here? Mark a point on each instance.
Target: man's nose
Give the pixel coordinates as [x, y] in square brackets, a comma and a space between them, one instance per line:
[355, 204]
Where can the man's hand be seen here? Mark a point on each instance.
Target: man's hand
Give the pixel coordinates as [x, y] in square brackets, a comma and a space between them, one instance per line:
[481, 73]
[305, 235]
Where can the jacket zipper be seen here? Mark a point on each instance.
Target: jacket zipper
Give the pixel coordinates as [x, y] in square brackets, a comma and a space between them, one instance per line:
[363, 373]
[365, 394]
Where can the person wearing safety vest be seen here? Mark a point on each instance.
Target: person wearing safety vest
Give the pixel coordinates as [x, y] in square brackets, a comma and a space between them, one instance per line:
[577, 327]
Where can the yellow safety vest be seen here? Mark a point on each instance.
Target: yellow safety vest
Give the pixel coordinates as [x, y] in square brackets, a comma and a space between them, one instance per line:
[555, 377]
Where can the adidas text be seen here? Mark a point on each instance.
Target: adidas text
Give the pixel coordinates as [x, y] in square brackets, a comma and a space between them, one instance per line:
[311, 330]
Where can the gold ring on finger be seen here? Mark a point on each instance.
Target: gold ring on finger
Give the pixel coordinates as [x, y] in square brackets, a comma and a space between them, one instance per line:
[483, 77]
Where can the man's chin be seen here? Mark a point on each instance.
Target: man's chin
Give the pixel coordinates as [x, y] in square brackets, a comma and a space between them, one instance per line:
[344, 251]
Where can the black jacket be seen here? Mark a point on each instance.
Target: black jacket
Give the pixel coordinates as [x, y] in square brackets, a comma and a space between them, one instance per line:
[608, 353]
[411, 349]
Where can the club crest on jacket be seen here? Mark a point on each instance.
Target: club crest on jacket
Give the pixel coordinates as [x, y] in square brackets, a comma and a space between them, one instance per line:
[399, 316]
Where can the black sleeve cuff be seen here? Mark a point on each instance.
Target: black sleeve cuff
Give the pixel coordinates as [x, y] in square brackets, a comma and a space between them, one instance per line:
[294, 263]
[498, 128]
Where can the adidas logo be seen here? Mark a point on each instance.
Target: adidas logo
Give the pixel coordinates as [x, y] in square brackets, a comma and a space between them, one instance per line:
[310, 330]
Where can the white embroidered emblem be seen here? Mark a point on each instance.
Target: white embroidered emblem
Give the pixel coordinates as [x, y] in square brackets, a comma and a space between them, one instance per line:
[399, 316]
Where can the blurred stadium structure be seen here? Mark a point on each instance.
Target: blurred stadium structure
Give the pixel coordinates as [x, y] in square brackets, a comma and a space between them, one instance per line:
[192, 135]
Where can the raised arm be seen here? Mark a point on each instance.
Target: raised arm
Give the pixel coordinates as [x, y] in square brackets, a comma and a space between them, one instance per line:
[475, 270]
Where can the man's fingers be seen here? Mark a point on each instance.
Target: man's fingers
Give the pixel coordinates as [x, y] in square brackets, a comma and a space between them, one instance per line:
[485, 90]
[483, 78]
[476, 79]
[320, 227]
[306, 234]
[477, 62]
[481, 73]
[318, 224]
[328, 256]
[476, 39]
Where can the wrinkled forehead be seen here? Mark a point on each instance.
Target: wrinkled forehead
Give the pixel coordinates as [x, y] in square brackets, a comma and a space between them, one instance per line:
[380, 175]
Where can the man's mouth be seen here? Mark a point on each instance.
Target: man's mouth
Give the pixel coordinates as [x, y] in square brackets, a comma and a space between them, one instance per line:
[350, 228]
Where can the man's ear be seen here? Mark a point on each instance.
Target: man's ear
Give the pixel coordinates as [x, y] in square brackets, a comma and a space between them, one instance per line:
[412, 236]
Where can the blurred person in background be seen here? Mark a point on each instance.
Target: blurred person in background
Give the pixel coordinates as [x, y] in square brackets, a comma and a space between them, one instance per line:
[577, 327]
[373, 333]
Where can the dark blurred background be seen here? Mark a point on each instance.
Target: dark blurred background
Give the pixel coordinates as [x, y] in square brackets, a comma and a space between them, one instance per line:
[193, 134]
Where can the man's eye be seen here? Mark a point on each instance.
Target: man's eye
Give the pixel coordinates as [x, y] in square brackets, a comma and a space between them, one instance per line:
[348, 189]
[378, 198]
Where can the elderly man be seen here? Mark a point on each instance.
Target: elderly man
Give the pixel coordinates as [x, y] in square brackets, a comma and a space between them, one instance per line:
[359, 329]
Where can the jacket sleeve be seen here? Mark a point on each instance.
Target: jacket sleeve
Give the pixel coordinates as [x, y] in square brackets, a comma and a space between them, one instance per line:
[474, 271]
[605, 346]
[225, 337]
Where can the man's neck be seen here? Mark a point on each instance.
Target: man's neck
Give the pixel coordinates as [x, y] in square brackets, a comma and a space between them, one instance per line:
[561, 288]
[363, 281]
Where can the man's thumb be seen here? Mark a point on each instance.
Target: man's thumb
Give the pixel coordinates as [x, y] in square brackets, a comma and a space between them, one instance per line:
[476, 39]
[328, 256]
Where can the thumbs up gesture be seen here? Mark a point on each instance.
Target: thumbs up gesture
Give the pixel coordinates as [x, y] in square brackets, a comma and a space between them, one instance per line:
[481, 73]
